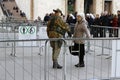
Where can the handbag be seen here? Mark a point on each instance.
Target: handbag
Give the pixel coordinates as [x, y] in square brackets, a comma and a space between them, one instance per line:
[73, 50]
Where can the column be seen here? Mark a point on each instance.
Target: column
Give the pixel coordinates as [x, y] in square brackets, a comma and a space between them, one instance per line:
[79, 6]
[115, 6]
[66, 7]
[32, 9]
[98, 6]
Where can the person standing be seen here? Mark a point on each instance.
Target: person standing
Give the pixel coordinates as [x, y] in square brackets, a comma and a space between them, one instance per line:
[115, 25]
[96, 29]
[118, 13]
[104, 22]
[79, 32]
[46, 18]
[56, 28]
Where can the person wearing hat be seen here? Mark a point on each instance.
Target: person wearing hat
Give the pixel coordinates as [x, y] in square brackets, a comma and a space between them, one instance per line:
[80, 31]
[56, 28]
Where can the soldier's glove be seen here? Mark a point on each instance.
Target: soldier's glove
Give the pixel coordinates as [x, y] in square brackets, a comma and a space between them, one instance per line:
[69, 34]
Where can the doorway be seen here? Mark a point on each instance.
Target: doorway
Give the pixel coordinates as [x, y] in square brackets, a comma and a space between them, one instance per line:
[71, 6]
[88, 6]
[108, 6]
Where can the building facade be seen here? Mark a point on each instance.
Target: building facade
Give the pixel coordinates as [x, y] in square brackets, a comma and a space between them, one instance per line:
[35, 8]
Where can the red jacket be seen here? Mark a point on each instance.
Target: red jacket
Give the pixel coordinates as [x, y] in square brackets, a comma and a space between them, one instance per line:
[115, 22]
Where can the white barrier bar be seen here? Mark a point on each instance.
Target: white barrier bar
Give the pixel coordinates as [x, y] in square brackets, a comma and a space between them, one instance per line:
[115, 58]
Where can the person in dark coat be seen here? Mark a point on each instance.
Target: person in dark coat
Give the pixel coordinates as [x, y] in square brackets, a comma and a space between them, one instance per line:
[90, 21]
[110, 29]
[104, 22]
[97, 25]
[46, 18]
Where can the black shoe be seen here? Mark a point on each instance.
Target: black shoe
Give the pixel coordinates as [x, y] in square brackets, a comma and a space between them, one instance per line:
[56, 66]
[80, 65]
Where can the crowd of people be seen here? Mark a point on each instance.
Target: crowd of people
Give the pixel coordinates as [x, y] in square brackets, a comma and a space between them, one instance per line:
[12, 12]
[104, 22]
[21, 13]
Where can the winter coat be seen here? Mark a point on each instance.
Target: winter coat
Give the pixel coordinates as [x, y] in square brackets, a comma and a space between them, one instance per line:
[81, 31]
[115, 22]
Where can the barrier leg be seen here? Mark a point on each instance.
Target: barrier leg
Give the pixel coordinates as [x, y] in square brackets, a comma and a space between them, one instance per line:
[102, 50]
[40, 50]
[13, 50]
[88, 47]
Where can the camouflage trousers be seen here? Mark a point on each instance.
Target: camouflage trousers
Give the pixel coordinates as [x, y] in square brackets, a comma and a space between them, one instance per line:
[56, 47]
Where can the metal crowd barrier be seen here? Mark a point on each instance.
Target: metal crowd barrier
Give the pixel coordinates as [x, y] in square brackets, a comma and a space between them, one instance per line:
[9, 30]
[34, 61]
[104, 31]
[101, 31]
[28, 65]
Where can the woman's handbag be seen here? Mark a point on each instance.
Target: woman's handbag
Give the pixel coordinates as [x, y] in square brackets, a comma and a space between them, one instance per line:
[73, 50]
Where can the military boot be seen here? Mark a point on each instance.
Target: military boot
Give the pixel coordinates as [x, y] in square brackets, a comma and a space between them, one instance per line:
[56, 65]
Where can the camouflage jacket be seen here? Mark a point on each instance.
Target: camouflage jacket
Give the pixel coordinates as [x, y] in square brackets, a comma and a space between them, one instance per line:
[54, 23]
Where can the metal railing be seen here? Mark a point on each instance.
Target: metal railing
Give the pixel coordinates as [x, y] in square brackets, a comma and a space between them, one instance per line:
[34, 61]
[28, 65]
[105, 31]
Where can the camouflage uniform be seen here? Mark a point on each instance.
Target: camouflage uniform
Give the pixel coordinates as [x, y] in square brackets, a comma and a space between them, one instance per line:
[53, 24]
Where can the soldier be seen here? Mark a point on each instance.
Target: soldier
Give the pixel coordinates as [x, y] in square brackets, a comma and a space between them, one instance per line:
[56, 28]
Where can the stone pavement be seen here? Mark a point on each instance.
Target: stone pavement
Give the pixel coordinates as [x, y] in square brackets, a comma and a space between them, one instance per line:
[28, 65]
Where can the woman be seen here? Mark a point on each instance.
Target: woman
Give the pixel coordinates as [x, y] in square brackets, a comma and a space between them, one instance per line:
[115, 25]
[79, 32]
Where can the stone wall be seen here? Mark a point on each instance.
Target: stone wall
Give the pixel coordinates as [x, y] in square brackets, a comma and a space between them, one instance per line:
[46, 6]
[116, 6]
[41, 7]
[79, 6]
[98, 6]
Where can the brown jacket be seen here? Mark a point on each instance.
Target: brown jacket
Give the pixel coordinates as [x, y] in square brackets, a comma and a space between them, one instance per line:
[52, 33]
[81, 31]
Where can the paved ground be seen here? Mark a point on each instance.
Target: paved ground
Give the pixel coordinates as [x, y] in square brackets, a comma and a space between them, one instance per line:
[28, 65]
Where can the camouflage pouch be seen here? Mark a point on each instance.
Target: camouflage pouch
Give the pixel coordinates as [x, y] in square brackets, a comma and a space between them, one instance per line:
[60, 30]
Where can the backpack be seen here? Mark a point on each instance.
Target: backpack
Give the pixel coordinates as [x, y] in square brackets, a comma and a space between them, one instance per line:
[56, 28]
